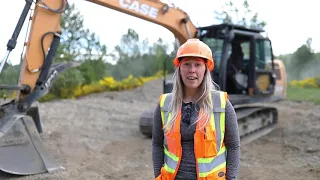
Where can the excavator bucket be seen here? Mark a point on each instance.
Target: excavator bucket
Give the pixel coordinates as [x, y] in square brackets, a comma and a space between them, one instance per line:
[21, 149]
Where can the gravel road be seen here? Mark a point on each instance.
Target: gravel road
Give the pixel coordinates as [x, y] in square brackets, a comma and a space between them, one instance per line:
[97, 137]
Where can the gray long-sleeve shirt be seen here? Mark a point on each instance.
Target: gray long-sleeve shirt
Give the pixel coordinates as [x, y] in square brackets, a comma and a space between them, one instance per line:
[187, 169]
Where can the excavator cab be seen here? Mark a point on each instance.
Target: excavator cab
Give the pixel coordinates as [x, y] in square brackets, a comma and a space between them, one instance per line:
[243, 62]
[244, 68]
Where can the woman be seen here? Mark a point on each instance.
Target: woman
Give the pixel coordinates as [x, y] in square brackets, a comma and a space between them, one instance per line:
[195, 126]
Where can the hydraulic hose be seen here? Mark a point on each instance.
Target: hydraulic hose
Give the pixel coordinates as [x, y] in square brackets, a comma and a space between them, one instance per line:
[59, 10]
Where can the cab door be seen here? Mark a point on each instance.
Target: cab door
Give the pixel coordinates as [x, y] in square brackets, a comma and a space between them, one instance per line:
[263, 66]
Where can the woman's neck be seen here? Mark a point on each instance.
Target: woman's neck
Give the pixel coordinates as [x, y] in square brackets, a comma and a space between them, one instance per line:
[190, 95]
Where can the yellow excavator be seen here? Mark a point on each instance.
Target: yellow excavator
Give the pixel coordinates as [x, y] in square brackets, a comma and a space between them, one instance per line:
[243, 60]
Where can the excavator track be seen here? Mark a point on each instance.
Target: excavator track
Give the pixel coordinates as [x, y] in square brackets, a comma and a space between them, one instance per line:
[255, 121]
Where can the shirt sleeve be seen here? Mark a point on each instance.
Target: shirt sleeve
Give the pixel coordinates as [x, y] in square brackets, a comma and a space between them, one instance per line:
[232, 142]
[157, 142]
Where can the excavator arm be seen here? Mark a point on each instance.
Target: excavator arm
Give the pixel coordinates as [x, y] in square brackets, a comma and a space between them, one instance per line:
[19, 121]
[174, 19]
[45, 30]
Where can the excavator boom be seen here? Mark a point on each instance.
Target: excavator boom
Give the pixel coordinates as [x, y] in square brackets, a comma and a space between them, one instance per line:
[174, 19]
[49, 13]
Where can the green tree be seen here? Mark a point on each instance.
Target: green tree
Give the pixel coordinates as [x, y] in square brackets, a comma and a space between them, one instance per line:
[243, 15]
[129, 46]
[302, 63]
[138, 58]
[94, 70]
[10, 76]
[128, 56]
[79, 44]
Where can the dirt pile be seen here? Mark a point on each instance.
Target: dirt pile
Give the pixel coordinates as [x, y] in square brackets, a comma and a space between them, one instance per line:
[97, 137]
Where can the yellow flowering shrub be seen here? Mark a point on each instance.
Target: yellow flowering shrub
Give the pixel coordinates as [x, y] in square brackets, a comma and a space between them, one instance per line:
[306, 83]
[108, 82]
[105, 84]
[8, 94]
[87, 89]
[48, 97]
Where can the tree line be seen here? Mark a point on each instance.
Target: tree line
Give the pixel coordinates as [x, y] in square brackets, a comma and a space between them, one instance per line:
[303, 63]
[132, 56]
[139, 57]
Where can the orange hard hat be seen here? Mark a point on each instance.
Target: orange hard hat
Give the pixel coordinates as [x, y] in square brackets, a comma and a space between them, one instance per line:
[194, 48]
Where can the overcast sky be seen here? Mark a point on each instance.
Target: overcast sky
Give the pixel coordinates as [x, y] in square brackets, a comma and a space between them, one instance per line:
[289, 23]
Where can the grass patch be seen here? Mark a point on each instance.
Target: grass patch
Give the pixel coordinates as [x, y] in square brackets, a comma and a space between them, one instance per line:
[304, 94]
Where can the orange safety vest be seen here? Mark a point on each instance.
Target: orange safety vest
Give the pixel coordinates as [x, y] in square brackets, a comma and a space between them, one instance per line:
[209, 148]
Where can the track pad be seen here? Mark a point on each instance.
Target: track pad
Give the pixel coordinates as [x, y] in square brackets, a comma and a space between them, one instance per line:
[22, 152]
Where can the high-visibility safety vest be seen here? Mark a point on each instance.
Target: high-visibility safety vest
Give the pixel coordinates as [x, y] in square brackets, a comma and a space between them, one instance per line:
[209, 148]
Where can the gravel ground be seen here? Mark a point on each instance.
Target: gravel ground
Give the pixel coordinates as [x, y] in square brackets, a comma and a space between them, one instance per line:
[97, 137]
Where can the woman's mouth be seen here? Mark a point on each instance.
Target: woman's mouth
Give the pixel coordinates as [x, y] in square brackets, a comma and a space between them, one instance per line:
[191, 78]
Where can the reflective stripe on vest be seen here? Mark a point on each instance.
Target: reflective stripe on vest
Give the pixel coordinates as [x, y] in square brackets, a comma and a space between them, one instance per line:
[209, 165]
[217, 120]
[170, 160]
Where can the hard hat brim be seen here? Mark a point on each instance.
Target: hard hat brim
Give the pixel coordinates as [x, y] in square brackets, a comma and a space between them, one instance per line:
[209, 62]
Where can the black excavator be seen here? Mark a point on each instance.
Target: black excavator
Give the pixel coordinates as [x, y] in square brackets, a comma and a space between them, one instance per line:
[244, 67]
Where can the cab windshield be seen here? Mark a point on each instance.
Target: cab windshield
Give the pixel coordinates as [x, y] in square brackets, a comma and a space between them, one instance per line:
[216, 48]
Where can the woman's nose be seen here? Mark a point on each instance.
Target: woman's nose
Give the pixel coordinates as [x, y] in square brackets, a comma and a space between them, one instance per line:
[192, 68]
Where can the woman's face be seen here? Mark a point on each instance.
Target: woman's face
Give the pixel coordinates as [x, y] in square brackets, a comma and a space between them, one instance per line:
[192, 72]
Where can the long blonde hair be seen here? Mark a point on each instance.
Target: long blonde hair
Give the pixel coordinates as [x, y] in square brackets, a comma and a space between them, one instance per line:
[203, 101]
